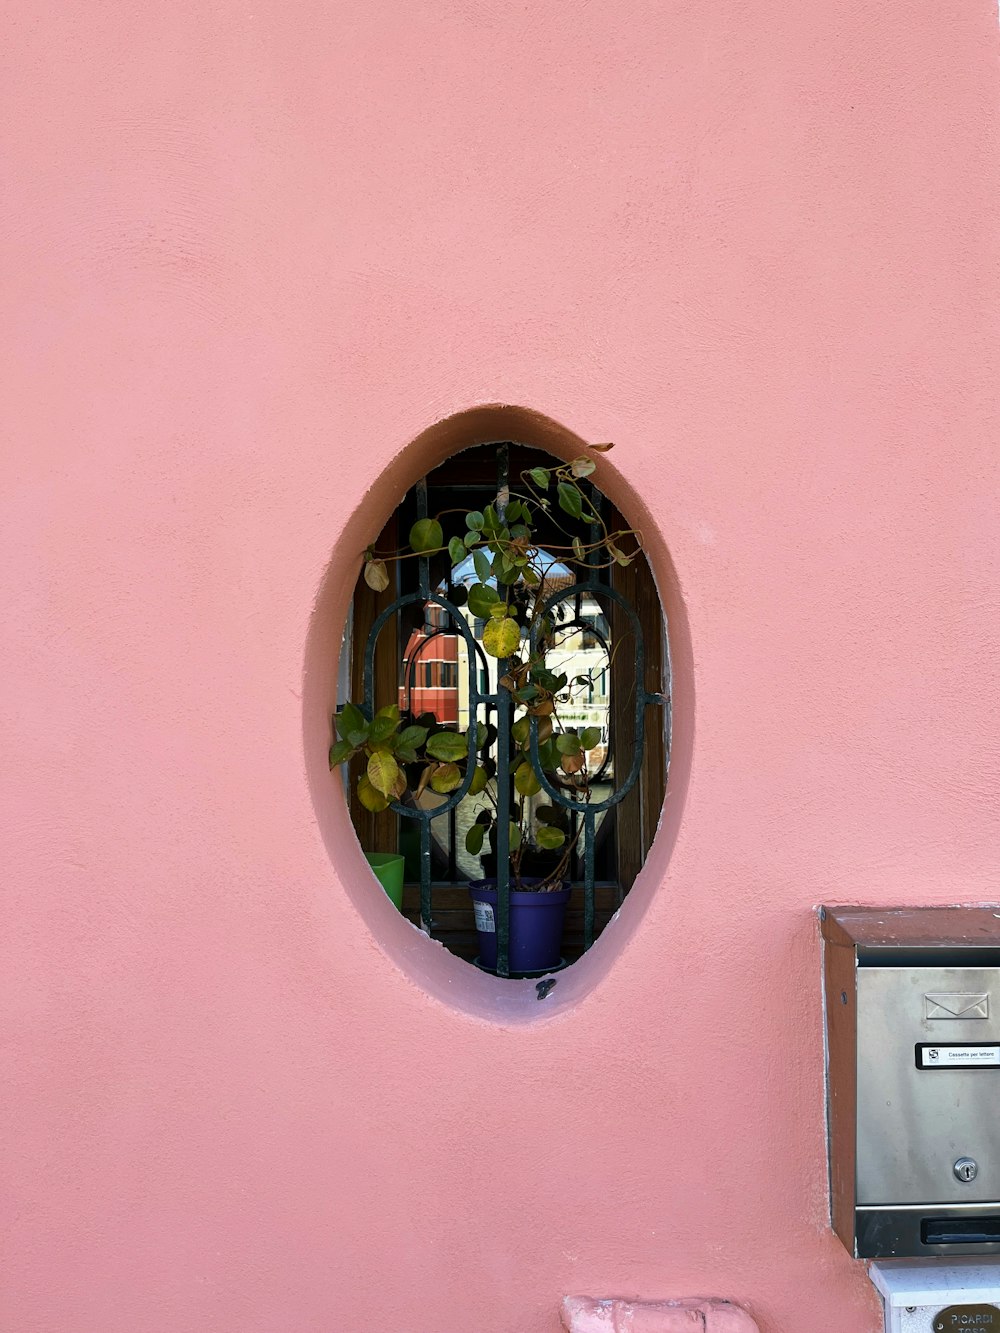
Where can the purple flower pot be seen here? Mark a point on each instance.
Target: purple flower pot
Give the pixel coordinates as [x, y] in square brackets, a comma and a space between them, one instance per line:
[536, 926]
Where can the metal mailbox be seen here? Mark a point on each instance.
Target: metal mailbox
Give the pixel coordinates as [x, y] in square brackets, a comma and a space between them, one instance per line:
[913, 1045]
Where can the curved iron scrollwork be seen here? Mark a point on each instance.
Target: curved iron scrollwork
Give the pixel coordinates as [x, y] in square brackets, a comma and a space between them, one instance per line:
[500, 704]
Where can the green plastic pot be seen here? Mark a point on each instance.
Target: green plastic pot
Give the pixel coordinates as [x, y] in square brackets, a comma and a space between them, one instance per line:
[387, 868]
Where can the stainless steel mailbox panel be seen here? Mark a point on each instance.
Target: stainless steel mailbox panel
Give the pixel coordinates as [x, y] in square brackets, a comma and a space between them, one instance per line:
[916, 1119]
[913, 1041]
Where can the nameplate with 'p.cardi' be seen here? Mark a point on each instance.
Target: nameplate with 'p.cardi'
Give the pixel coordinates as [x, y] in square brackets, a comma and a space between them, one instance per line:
[968, 1319]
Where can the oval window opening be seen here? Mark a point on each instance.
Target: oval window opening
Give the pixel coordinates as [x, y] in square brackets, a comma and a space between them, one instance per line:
[504, 717]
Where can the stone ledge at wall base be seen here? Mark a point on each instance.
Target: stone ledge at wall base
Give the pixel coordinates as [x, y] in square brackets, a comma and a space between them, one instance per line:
[585, 1314]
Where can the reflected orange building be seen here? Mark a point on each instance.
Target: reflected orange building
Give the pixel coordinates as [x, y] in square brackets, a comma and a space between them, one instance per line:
[430, 669]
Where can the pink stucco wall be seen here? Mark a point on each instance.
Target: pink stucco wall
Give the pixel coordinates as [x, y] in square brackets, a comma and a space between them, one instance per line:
[251, 252]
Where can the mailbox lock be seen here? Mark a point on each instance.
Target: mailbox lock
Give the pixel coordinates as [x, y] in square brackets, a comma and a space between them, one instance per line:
[966, 1169]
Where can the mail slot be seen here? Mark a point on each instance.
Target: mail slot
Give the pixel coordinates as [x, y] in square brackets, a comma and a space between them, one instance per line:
[913, 1079]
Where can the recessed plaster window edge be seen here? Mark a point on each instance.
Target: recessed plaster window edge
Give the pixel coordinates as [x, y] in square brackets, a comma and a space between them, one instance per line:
[587, 1314]
[425, 963]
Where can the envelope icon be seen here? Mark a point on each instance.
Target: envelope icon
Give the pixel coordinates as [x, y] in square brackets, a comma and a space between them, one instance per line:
[957, 1004]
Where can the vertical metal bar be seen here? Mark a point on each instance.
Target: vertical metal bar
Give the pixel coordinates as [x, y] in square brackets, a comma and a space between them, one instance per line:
[425, 875]
[503, 834]
[424, 577]
[423, 563]
[397, 626]
[504, 710]
[593, 495]
[503, 478]
[588, 879]
[452, 845]
[599, 576]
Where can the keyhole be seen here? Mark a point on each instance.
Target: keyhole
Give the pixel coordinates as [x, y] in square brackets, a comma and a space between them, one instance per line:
[966, 1169]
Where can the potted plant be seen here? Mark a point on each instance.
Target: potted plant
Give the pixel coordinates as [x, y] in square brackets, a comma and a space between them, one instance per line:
[510, 591]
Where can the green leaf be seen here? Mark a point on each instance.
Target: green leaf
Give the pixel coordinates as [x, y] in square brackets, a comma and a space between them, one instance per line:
[568, 742]
[383, 772]
[548, 755]
[479, 780]
[411, 738]
[526, 693]
[501, 637]
[448, 746]
[350, 719]
[446, 777]
[549, 838]
[540, 477]
[426, 535]
[521, 730]
[506, 571]
[491, 519]
[484, 566]
[514, 836]
[474, 521]
[370, 798]
[530, 577]
[481, 598]
[382, 728]
[456, 551]
[499, 609]
[471, 538]
[474, 839]
[526, 781]
[582, 467]
[578, 550]
[570, 500]
[384, 736]
[589, 737]
[339, 752]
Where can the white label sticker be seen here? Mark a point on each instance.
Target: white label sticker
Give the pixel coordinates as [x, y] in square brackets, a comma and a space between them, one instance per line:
[939, 1057]
[484, 918]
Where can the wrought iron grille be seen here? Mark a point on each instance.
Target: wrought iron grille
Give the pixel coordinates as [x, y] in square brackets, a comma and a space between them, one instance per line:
[499, 705]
